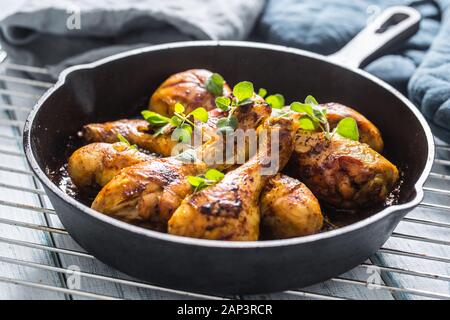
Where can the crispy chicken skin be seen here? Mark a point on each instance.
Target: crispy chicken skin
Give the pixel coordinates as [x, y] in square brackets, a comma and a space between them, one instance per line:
[289, 209]
[147, 191]
[229, 210]
[344, 173]
[98, 163]
[368, 132]
[187, 88]
[151, 191]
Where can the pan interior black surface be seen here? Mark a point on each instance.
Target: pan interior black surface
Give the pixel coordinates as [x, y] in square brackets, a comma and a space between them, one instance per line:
[114, 88]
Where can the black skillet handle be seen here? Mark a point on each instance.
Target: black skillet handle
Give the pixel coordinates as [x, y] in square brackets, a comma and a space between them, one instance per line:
[391, 27]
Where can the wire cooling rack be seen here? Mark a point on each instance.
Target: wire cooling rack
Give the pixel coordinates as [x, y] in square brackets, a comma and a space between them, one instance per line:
[39, 260]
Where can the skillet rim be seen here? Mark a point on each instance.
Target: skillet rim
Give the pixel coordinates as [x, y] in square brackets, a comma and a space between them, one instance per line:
[39, 172]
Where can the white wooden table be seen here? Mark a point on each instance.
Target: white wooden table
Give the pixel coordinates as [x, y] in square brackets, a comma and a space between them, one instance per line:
[37, 254]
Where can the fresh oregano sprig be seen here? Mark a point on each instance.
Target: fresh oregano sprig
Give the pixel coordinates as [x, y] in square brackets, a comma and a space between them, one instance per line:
[262, 92]
[214, 84]
[211, 177]
[276, 101]
[315, 117]
[182, 122]
[243, 93]
[348, 128]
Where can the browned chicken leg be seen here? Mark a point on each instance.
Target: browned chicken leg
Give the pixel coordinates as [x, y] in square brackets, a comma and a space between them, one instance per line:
[187, 88]
[98, 163]
[135, 131]
[140, 133]
[289, 209]
[342, 172]
[229, 210]
[154, 189]
[147, 191]
[368, 132]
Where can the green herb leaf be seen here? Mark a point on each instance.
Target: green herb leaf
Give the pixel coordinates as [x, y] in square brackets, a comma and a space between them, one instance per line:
[200, 114]
[211, 177]
[196, 181]
[262, 93]
[227, 122]
[348, 128]
[276, 101]
[223, 103]
[176, 121]
[302, 108]
[188, 156]
[311, 100]
[320, 113]
[183, 133]
[122, 139]
[233, 122]
[227, 125]
[214, 175]
[244, 102]
[279, 113]
[161, 130]
[243, 90]
[307, 124]
[214, 84]
[179, 108]
[155, 118]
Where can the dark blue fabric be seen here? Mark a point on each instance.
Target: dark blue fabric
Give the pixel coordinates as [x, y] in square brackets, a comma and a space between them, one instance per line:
[419, 68]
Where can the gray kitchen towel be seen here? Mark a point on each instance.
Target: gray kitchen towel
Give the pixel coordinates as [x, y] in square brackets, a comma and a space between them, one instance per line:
[48, 32]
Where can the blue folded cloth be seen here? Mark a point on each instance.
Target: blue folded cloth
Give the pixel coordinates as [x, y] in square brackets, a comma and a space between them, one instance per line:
[429, 87]
[419, 68]
[45, 33]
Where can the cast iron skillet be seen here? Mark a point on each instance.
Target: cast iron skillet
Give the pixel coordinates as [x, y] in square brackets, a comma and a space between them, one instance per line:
[108, 89]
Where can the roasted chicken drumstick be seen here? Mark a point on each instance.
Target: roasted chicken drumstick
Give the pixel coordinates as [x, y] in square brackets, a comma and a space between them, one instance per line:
[98, 163]
[368, 132]
[289, 209]
[342, 172]
[229, 210]
[153, 190]
[188, 88]
[139, 132]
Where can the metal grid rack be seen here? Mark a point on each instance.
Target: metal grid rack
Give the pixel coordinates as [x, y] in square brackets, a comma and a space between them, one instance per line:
[38, 257]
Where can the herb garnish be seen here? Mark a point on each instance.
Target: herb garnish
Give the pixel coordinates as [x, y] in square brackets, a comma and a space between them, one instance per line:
[243, 93]
[214, 84]
[348, 128]
[124, 140]
[276, 101]
[315, 117]
[212, 176]
[262, 93]
[182, 122]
